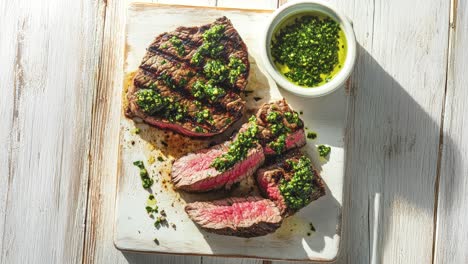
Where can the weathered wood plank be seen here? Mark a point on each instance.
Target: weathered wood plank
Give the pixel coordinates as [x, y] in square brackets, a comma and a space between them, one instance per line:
[47, 85]
[185, 2]
[253, 4]
[396, 97]
[452, 228]
[99, 247]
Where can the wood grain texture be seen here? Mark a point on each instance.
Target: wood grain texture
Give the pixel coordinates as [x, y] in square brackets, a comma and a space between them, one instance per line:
[397, 94]
[396, 97]
[47, 85]
[99, 247]
[452, 229]
[256, 4]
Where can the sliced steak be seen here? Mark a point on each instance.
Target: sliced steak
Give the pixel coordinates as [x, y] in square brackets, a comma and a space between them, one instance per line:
[243, 217]
[281, 171]
[194, 172]
[183, 85]
[280, 128]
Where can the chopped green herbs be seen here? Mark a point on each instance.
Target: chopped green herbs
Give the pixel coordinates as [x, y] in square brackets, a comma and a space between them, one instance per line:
[293, 118]
[297, 191]
[151, 102]
[279, 144]
[198, 129]
[167, 79]
[152, 210]
[204, 116]
[237, 67]
[177, 43]
[207, 90]
[311, 135]
[211, 46]
[239, 148]
[323, 150]
[215, 70]
[308, 48]
[215, 33]
[147, 182]
[160, 158]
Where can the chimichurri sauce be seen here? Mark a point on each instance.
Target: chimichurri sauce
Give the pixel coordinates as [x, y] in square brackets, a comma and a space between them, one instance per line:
[309, 50]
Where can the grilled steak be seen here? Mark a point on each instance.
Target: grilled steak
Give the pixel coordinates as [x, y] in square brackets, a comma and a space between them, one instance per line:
[275, 129]
[275, 182]
[244, 217]
[280, 128]
[220, 165]
[190, 80]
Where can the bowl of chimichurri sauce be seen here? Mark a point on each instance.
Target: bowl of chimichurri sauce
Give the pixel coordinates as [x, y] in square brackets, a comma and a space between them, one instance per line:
[309, 48]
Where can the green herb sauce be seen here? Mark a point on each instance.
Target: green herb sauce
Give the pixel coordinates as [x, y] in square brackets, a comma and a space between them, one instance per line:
[309, 50]
[177, 43]
[215, 70]
[204, 116]
[151, 102]
[147, 182]
[239, 148]
[324, 151]
[207, 90]
[311, 135]
[211, 46]
[279, 144]
[236, 68]
[297, 191]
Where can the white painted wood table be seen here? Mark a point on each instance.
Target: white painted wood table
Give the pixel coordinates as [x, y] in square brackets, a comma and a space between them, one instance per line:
[406, 187]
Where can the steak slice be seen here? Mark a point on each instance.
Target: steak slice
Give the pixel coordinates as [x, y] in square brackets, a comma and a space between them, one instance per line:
[194, 172]
[236, 216]
[270, 177]
[197, 98]
[279, 125]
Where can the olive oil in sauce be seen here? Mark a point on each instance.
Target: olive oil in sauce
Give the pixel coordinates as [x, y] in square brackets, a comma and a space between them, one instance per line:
[309, 49]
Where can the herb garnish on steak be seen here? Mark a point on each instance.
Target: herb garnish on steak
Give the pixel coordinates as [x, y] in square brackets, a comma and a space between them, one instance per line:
[221, 165]
[291, 181]
[190, 80]
[280, 128]
[275, 129]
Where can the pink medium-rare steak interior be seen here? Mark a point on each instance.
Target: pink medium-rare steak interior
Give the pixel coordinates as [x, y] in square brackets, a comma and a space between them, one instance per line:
[296, 139]
[194, 172]
[241, 216]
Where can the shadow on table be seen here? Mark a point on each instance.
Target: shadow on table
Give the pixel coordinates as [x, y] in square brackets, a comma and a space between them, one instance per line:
[392, 162]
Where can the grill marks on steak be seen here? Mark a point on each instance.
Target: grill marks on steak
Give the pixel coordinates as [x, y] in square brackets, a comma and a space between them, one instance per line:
[220, 117]
[182, 78]
[243, 217]
[192, 39]
[269, 177]
[170, 72]
[193, 172]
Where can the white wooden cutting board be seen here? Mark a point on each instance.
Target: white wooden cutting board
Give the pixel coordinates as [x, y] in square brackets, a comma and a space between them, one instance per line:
[134, 229]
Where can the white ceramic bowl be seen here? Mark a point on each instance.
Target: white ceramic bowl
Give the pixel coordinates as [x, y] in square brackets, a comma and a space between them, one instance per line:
[306, 6]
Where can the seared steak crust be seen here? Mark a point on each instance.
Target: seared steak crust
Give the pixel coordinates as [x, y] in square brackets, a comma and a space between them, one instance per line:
[168, 69]
[268, 179]
[237, 216]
